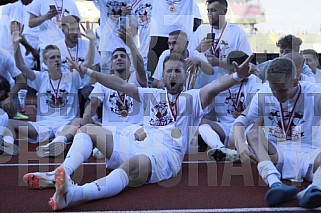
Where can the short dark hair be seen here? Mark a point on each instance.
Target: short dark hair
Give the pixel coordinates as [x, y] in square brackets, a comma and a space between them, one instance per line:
[311, 52]
[224, 2]
[238, 56]
[175, 57]
[122, 49]
[289, 42]
[69, 19]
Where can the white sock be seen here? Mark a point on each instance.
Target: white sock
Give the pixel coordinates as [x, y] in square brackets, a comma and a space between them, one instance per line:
[316, 181]
[59, 138]
[210, 137]
[78, 153]
[8, 139]
[107, 186]
[3, 121]
[268, 172]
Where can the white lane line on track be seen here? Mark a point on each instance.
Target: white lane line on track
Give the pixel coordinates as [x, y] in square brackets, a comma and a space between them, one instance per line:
[85, 164]
[283, 209]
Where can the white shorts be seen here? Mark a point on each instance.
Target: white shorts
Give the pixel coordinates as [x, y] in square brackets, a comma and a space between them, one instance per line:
[296, 160]
[47, 129]
[166, 161]
[124, 129]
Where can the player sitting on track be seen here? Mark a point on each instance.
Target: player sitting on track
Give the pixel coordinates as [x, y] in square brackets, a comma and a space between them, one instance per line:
[290, 112]
[169, 114]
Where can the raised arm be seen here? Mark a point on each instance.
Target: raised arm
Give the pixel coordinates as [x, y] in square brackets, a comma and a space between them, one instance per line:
[110, 81]
[138, 62]
[16, 38]
[90, 35]
[35, 21]
[209, 91]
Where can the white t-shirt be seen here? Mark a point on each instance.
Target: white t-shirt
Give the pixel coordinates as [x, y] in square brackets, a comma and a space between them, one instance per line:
[110, 41]
[78, 52]
[49, 30]
[115, 102]
[233, 38]
[237, 98]
[306, 115]
[317, 76]
[172, 15]
[199, 83]
[57, 101]
[143, 12]
[8, 67]
[10, 12]
[160, 123]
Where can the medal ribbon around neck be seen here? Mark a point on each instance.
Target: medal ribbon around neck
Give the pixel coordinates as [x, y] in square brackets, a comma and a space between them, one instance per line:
[60, 12]
[136, 3]
[174, 114]
[219, 38]
[122, 100]
[55, 90]
[286, 127]
[237, 97]
[76, 56]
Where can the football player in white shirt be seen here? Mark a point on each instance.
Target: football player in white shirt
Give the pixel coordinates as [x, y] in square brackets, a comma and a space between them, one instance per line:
[312, 60]
[289, 135]
[199, 68]
[120, 65]
[159, 157]
[227, 106]
[57, 93]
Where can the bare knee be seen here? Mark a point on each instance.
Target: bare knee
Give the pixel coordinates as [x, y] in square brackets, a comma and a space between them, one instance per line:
[138, 169]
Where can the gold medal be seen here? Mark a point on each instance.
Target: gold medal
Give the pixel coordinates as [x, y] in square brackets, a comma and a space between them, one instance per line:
[172, 8]
[236, 114]
[176, 133]
[124, 113]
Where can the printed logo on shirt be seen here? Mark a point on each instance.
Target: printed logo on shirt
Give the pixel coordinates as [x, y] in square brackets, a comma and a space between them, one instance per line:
[221, 49]
[65, 63]
[114, 7]
[120, 104]
[160, 115]
[294, 133]
[233, 104]
[143, 12]
[56, 101]
[173, 2]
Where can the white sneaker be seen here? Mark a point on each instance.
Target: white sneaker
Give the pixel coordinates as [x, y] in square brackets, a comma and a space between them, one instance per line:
[64, 190]
[223, 154]
[51, 149]
[8, 148]
[39, 180]
[97, 154]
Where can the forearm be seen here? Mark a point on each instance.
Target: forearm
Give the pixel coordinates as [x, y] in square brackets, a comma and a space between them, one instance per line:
[209, 91]
[35, 21]
[138, 64]
[238, 133]
[112, 82]
[21, 65]
[206, 67]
